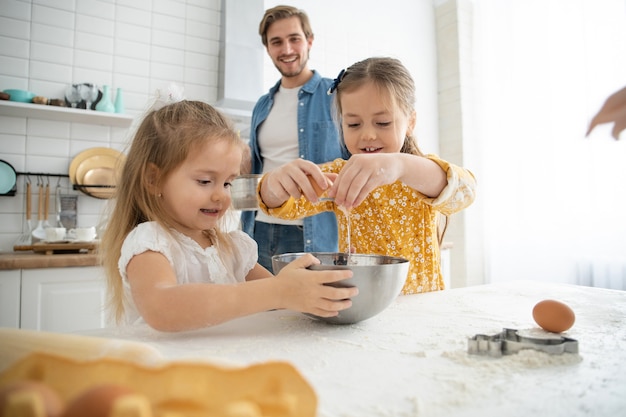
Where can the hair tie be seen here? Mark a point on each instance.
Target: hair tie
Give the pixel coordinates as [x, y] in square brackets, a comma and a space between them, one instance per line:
[336, 82]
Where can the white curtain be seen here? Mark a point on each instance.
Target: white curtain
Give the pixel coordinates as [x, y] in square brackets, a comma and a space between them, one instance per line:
[555, 201]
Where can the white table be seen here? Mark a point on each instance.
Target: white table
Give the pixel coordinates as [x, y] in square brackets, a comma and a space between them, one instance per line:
[411, 359]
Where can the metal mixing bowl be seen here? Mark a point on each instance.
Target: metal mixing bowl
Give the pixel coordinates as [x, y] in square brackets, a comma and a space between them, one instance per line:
[379, 279]
[243, 192]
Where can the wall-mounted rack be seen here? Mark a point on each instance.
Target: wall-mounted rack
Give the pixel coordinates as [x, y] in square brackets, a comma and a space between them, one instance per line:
[77, 187]
[42, 174]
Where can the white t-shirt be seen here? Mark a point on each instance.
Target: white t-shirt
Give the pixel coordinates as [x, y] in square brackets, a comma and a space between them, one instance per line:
[191, 263]
[278, 139]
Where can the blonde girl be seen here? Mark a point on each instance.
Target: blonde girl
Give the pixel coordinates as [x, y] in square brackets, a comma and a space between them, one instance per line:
[393, 192]
[168, 261]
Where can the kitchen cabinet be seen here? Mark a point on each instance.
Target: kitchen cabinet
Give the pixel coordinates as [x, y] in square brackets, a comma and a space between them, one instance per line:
[53, 299]
[64, 114]
[63, 299]
[10, 298]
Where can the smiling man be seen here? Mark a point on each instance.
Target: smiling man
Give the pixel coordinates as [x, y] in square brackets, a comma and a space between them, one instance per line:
[293, 120]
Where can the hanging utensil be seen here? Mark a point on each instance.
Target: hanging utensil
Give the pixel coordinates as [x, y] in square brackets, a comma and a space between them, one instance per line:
[46, 207]
[25, 242]
[8, 178]
[40, 233]
[57, 196]
[29, 205]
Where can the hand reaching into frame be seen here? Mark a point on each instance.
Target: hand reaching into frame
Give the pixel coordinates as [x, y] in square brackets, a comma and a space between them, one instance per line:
[612, 111]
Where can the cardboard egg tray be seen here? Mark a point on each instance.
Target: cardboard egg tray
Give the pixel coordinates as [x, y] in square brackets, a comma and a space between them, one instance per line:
[171, 389]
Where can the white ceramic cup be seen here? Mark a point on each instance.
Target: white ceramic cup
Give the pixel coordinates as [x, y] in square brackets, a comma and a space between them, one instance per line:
[55, 234]
[84, 234]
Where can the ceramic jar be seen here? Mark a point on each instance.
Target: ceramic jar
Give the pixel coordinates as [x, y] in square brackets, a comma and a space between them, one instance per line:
[105, 104]
[119, 101]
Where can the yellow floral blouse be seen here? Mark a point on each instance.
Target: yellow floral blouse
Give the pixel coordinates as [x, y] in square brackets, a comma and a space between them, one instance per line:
[395, 220]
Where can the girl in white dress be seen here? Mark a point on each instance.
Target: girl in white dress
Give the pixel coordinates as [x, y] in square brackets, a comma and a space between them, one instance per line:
[168, 260]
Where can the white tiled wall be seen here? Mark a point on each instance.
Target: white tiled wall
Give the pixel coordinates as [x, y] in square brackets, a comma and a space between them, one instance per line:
[137, 46]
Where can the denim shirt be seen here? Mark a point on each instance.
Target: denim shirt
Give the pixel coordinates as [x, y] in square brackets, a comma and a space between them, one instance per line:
[318, 141]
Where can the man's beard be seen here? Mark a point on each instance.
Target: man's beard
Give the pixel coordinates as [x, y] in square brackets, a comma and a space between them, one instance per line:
[296, 72]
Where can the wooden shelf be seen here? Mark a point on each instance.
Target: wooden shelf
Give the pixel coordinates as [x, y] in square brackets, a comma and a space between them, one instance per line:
[63, 114]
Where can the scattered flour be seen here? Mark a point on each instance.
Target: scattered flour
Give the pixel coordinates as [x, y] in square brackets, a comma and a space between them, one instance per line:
[526, 358]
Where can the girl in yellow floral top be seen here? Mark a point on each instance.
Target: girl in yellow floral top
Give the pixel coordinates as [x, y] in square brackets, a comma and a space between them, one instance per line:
[393, 192]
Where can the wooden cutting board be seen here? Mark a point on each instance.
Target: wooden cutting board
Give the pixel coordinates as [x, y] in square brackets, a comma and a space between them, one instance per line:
[21, 247]
[50, 248]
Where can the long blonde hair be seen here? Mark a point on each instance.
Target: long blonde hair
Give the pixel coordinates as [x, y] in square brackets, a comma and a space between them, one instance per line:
[387, 74]
[163, 140]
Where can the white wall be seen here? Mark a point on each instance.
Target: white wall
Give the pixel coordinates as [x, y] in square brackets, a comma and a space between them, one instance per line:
[553, 199]
[347, 32]
[143, 45]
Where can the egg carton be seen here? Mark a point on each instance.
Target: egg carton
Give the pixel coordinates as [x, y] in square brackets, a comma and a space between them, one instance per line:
[509, 341]
[44, 384]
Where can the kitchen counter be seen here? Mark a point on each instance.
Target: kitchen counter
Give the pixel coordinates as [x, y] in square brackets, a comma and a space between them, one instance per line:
[31, 260]
[412, 360]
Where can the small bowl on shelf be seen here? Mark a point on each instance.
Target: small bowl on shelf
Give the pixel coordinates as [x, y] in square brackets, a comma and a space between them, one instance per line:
[21, 96]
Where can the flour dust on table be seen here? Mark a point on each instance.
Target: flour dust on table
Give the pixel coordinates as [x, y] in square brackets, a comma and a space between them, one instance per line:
[412, 360]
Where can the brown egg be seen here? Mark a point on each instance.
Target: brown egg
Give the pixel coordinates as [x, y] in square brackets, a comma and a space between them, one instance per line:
[317, 188]
[553, 316]
[30, 398]
[97, 401]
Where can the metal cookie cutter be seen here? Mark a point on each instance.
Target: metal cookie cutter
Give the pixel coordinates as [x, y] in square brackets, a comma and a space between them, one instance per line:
[509, 341]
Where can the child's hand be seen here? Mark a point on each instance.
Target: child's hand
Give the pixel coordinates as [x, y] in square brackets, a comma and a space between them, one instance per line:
[362, 174]
[304, 290]
[293, 179]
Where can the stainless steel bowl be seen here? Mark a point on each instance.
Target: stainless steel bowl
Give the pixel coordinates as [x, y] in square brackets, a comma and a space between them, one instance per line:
[379, 279]
[243, 192]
